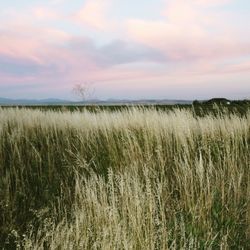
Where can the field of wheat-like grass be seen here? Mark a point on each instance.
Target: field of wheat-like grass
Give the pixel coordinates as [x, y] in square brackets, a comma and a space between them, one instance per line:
[131, 179]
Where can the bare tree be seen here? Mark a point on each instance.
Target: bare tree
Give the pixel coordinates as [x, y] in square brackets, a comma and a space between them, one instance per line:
[83, 90]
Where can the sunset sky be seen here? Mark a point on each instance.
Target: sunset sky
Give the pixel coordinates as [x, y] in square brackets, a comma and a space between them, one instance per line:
[174, 49]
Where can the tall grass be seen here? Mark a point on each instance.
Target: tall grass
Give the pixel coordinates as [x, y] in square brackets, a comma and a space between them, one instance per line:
[132, 179]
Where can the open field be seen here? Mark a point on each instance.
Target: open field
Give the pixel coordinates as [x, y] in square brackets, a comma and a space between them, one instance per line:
[198, 109]
[137, 178]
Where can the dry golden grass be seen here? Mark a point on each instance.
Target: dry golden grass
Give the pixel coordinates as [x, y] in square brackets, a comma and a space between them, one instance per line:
[134, 179]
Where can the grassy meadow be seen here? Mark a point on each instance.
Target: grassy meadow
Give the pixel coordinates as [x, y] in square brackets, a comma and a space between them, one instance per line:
[134, 178]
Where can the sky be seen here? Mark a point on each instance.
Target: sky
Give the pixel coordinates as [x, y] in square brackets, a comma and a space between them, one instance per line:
[133, 49]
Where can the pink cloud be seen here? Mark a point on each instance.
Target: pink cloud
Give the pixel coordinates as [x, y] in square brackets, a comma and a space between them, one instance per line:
[94, 14]
[42, 13]
[190, 32]
[18, 41]
[34, 14]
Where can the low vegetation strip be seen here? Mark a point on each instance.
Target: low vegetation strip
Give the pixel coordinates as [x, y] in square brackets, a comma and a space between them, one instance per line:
[127, 179]
[215, 106]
